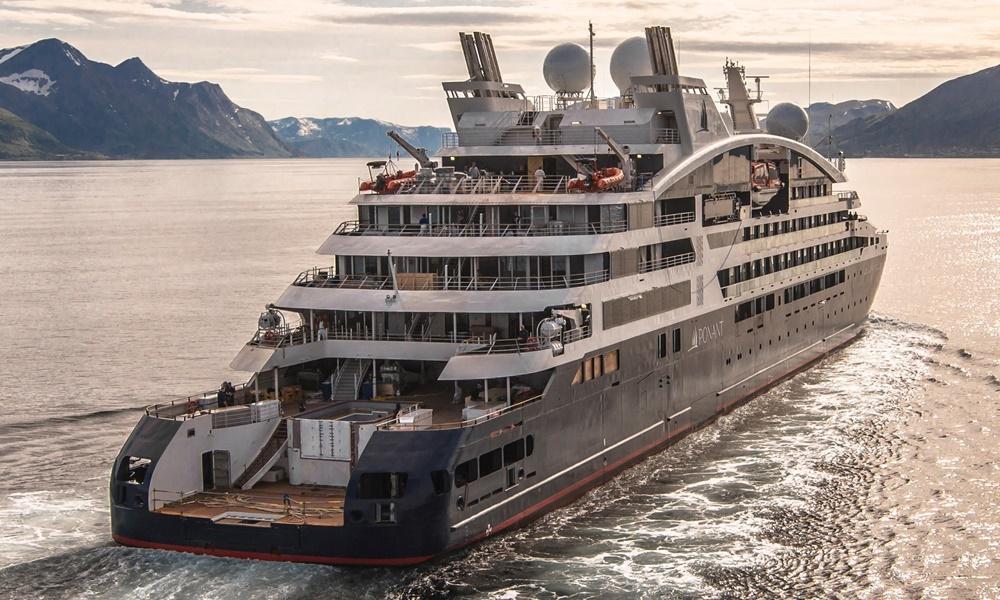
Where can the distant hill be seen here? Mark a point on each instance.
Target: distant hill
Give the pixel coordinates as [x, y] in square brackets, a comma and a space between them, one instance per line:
[20, 140]
[125, 111]
[350, 136]
[957, 118]
[825, 117]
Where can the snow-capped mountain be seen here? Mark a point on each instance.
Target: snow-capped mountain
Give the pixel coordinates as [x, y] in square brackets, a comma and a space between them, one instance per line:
[350, 136]
[126, 111]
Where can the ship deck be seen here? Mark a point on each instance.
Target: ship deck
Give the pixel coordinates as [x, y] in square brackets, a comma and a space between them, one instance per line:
[265, 504]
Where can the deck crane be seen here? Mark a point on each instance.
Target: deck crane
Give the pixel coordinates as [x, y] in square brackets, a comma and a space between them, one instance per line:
[419, 154]
[622, 154]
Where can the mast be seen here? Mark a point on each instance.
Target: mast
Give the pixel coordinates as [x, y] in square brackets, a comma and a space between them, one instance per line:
[590, 28]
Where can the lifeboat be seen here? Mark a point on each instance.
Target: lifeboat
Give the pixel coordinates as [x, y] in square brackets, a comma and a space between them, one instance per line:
[765, 181]
[600, 180]
[385, 183]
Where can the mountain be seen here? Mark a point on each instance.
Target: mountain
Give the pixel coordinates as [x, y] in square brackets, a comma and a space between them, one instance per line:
[957, 118]
[126, 111]
[825, 117]
[20, 140]
[351, 136]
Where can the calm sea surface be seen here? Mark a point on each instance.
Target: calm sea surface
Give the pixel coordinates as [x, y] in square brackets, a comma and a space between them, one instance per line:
[873, 475]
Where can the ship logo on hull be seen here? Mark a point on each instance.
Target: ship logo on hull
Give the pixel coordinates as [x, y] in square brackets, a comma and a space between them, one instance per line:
[703, 335]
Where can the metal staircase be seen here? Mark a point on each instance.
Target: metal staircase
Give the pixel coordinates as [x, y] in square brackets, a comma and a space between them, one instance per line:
[348, 379]
[266, 458]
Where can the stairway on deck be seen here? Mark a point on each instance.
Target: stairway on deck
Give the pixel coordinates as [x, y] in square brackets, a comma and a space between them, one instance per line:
[267, 456]
[348, 379]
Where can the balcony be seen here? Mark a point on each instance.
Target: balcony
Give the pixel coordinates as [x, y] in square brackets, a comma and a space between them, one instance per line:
[666, 262]
[486, 229]
[287, 336]
[327, 278]
[527, 136]
[518, 346]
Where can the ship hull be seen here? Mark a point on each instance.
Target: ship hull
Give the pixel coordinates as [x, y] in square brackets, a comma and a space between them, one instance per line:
[583, 434]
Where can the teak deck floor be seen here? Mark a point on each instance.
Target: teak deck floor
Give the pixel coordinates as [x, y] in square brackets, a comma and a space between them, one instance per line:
[310, 505]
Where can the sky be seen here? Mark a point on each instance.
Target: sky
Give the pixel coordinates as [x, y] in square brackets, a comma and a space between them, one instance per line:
[386, 58]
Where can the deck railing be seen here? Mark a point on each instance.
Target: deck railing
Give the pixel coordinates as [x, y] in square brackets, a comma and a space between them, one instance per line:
[187, 407]
[518, 346]
[528, 136]
[524, 229]
[326, 278]
[673, 219]
[285, 336]
[396, 425]
[846, 195]
[666, 262]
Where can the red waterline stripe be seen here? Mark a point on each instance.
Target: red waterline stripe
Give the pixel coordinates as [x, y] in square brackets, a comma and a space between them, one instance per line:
[328, 560]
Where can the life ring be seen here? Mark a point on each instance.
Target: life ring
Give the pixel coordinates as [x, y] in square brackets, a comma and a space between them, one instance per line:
[192, 405]
[269, 336]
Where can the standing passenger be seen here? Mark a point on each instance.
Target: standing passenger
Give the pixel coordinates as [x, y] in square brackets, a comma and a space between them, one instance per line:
[474, 172]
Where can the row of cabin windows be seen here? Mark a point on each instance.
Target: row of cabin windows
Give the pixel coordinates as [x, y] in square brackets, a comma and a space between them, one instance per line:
[814, 286]
[790, 225]
[792, 293]
[815, 190]
[494, 460]
[595, 366]
[675, 343]
[787, 260]
[757, 306]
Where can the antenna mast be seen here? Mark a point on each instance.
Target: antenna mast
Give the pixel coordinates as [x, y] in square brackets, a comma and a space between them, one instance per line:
[590, 28]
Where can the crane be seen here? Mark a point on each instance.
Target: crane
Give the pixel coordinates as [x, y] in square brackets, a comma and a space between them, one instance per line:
[622, 154]
[418, 153]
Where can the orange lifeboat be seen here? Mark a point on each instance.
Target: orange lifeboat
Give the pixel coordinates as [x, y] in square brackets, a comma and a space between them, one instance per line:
[599, 181]
[385, 183]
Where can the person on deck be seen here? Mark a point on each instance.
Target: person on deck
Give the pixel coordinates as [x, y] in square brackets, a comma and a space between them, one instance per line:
[474, 172]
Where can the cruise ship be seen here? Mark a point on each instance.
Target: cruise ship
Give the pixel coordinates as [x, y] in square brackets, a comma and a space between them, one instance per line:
[573, 284]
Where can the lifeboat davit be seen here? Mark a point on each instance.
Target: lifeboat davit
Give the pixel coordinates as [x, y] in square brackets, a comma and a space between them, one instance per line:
[765, 181]
[387, 184]
[600, 180]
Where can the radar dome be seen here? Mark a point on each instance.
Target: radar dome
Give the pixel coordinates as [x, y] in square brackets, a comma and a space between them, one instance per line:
[787, 120]
[631, 57]
[567, 69]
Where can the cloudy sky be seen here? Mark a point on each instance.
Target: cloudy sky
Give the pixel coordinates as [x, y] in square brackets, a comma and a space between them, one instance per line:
[386, 58]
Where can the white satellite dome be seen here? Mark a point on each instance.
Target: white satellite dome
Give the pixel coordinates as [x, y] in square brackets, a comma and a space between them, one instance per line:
[631, 57]
[567, 69]
[787, 120]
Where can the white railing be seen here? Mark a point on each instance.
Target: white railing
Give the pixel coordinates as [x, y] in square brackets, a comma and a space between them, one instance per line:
[518, 346]
[256, 412]
[523, 229]
[646, 266]
[327, 278]
[673, 219]
[529, 136]
[396, 425]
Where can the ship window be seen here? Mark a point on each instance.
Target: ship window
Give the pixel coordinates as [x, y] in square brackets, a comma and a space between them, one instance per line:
[588, 370]
[385, 512]
[578, 376]
[598, 370]
[529, 445]
[677, 340]
[513, 452]
[466, 473]
[491, 462]
[382, 485]
[441, 481]
[661, 345]
[610, 361]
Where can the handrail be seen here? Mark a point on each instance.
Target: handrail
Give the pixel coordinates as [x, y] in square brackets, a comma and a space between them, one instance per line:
[189, 406]
[517, 346]
[395, 424]
[673, 219]
[846, 195]
[285, 336]
[530, 136]
[646, 266]
[524, 229]
[322, 278]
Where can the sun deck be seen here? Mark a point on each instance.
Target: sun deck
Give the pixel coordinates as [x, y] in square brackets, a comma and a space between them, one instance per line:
[264, 504]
